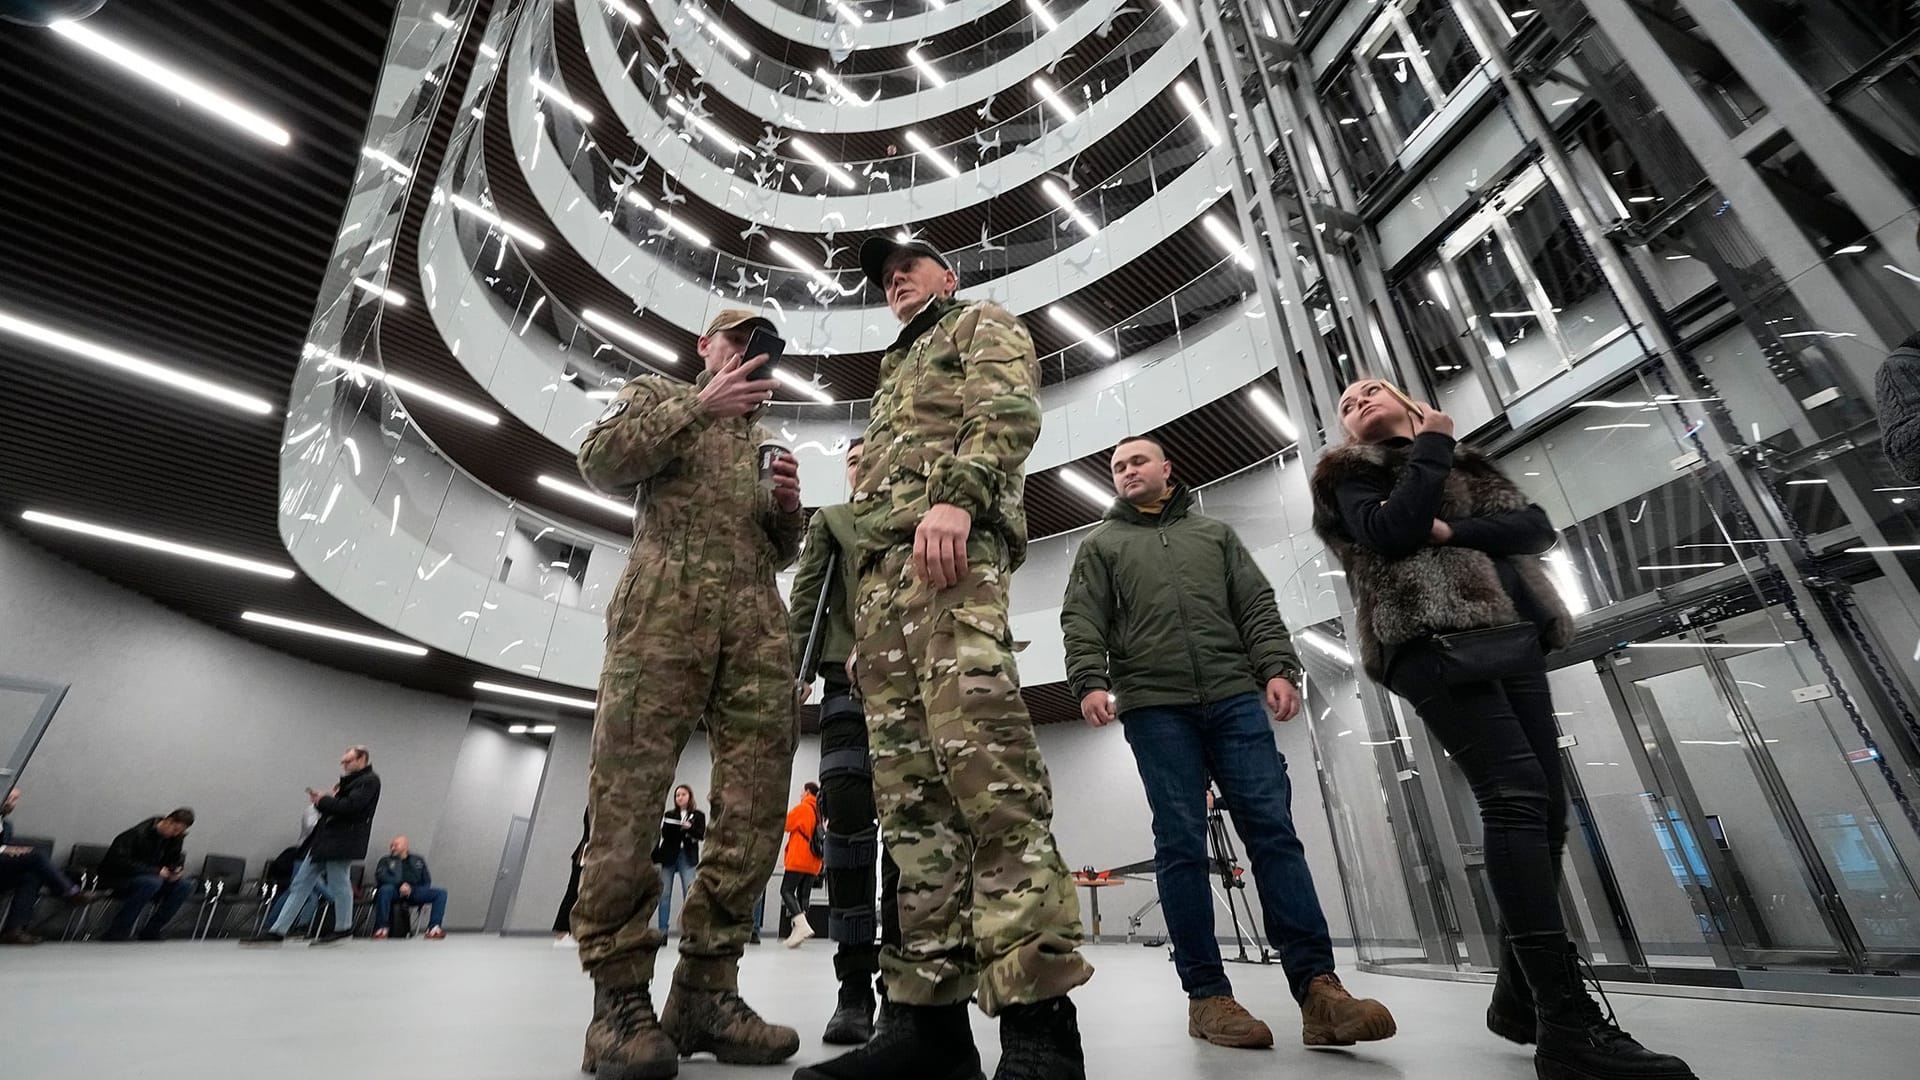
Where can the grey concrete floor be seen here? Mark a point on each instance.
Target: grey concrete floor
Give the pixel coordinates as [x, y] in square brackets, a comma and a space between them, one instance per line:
[473, 1007]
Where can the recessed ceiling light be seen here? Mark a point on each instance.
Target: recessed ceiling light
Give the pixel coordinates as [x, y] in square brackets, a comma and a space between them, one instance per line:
[707, 127]
[534, 695]
[317, 630]
[1087, 336]
[625, 11]
[1052, 98]
[405, 387]
[559, 97]
[1657, 567]
[927, 151]
[543, 729]
[520, 233]
[840, 88]
[794, 259]
[173, 82]
[154, 543]
[629, 335]
[386, 161]
[1198, 111]
[1277, 416]
[440, 19]
[926, 67]
[1173, 9]
[804, 386]
[381, 291]
[1040, 12]
[841, 176]
[1232, 244]
[489, 51]
[582, 494]
[1065, 202]
[1091, 491]
[516, 729]
[132, 364]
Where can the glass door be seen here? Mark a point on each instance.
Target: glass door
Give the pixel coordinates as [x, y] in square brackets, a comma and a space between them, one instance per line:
[26, 708]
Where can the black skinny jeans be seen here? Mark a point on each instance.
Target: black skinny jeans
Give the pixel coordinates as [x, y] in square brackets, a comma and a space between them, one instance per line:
[1503, 737]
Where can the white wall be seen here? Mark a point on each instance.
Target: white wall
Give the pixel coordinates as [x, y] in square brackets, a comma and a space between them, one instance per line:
[168, 711]
[494, 781]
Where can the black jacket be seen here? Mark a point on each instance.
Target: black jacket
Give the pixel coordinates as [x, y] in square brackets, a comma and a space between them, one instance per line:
[1170, 609]
[675, 840]
[139, 851]
[346, 819]
[393, 870]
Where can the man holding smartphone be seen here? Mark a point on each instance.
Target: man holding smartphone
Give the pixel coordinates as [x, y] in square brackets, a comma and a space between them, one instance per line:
[695, 630]
[987, 908]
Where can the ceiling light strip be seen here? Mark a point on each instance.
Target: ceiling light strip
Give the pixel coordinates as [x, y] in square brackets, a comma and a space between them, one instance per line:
[1270, 408]
[518, 232]
[1052, 97]
[1071, 323]
[804, 386]
[1173, 9]
[1198, 111]
[577, 492]
[926, 67]
[841, 176]
[405, 387]
[926, 150]
[174, 82]
[1040, 12]
[386, 161]
[406, 647]
[534, 695]
[1091, 491]
[154, 543]
[630, 335]
[135, 365]
[559, 97]
[719, 34]
[707, 127]
[794, 259]
[1065, 202]
[1233, 245]
[840, 88]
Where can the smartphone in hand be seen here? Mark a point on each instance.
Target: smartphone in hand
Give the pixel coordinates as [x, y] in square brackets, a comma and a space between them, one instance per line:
[765, 342]
[1403, 399]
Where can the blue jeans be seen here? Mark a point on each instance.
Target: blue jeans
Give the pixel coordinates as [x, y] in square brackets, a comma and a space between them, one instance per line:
[332, 878]
[1177, 748]
[167, 898]
[681, 867]
[25, 874]
[384, 897]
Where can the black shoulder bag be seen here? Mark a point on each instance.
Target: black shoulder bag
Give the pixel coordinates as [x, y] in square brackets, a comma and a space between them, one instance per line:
[1494, 652]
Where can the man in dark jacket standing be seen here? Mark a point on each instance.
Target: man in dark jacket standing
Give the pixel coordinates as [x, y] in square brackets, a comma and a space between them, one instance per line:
[1170, 627]
[344, 832]
[147, 864]
[404, 876]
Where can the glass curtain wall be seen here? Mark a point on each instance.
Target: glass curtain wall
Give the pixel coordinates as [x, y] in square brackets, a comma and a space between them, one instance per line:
[1536, 215]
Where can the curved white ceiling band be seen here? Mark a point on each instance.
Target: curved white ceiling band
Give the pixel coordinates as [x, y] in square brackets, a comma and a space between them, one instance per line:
[690, 302]
[790, 212]
[963, 90]
[871, 33]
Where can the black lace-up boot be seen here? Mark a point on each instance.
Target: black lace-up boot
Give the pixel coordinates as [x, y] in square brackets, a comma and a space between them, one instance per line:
[1040, 1042]
[1577, 1038]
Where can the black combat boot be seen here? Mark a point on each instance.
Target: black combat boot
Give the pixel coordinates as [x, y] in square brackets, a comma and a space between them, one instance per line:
[1040, 1042]
[913, 1042]
[1576, 1039]
[852, 1022]
[1510, 1014]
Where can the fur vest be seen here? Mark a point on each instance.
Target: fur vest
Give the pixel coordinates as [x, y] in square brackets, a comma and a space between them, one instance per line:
[1436, 590]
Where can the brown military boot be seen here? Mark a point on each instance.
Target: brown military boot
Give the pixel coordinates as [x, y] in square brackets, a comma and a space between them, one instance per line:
[625, 1041]
[1332, 1017]
[720, 1023]
[1222, 1022]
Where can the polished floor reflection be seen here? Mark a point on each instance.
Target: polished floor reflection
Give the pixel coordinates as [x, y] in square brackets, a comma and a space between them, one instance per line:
[474, 1008]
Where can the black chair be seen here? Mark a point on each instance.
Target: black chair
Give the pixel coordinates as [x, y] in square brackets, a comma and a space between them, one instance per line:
[221, 880]
[83, 867]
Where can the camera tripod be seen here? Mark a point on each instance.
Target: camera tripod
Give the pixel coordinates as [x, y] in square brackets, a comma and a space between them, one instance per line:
[1226, 863]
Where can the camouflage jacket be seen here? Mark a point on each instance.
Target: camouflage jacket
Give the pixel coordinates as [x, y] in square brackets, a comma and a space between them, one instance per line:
[695, 477]
[956, 414]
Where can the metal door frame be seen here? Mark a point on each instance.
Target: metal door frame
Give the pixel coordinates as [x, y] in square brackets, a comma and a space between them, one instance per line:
[1675, 790]
[51, 695]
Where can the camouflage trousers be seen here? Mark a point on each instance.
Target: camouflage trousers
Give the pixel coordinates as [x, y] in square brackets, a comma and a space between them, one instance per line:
[987, 906]
[680, 652]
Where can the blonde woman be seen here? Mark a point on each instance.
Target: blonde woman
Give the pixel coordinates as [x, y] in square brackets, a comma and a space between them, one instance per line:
[1456, 615]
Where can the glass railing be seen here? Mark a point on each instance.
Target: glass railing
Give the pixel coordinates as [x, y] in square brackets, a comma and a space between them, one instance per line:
[637, 214]
[768, 167]
[862, 89]
[866, 10]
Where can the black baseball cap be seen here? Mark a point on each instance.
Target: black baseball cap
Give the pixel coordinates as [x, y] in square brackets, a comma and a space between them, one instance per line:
[878, 250]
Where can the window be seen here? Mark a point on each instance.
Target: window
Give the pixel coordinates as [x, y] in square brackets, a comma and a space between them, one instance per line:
[1533, 296]
[1409, 62]
[1346, 106]
[1725, 92]
[1443, 352]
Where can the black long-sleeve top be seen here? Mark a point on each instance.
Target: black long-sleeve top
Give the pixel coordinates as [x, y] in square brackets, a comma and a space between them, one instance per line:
[1397, 521]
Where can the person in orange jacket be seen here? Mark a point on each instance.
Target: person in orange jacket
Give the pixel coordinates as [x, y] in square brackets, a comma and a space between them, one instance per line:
[802, 863]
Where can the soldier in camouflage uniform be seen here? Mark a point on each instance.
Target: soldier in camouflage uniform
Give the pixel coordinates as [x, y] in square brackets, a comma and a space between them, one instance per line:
[695, 629]
[987, 907]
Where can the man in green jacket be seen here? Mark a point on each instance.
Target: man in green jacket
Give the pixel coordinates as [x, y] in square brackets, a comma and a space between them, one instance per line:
[1170, 627]
[825, 578]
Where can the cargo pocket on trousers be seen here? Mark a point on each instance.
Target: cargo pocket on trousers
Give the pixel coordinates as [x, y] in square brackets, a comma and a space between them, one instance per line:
[983, 651]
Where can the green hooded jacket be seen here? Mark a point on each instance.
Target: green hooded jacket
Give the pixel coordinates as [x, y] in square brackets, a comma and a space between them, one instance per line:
[1170, 609]
[830, 533]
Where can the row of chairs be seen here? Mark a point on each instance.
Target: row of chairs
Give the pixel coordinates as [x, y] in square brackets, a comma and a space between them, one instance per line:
[228, 905]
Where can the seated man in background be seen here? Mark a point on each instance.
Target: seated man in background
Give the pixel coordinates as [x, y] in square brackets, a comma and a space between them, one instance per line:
[24, 871]
[404, 875]
[147, 864]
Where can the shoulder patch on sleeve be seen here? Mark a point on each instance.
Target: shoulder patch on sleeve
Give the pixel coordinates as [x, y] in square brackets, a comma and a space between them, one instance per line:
[614, 409]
